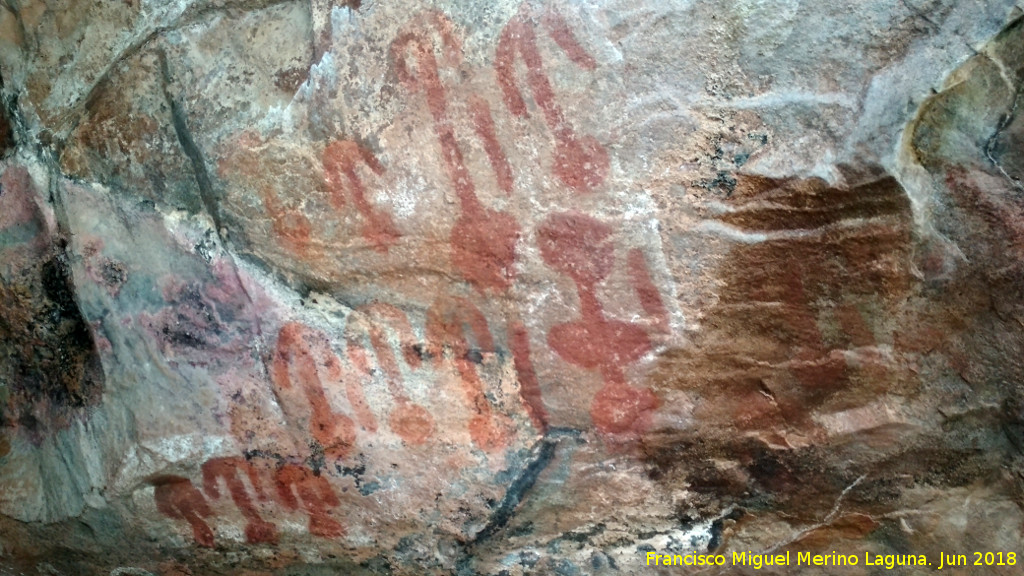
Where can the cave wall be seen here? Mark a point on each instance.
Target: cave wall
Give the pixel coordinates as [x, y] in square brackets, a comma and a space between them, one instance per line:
[507, 287]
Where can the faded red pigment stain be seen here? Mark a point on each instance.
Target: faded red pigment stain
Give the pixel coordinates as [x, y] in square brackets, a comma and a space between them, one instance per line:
[483, 241]
[290, 226]
[295, 363]
[231, 470]
[298, 486]
[177, 498]
[448, 322]
[646, 290]
[998, 208]
[410, 421]
[340, 161]
[581, 163]
[580, 247]
[854, 327]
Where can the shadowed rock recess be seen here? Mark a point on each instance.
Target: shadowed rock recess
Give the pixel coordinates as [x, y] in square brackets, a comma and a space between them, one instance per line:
[510, 287]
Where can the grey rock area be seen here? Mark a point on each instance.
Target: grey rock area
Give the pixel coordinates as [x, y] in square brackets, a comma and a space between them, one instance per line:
[509, 287]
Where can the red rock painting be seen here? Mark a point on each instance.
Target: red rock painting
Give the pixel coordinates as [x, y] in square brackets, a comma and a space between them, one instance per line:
[483, 240]
[529, 386]
[341, 159]
[449, 321]
[231, 471]
[483, 124]
[177, 498]
[581, 162]
[300, 487]
[581, 247]
[296, 364]
[410, 421]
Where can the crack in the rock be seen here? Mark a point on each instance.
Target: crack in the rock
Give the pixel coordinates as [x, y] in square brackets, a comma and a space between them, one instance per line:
[991, 142]
[826, 521]
[188, 145]
[919, 13]
[543, 452]
[16, 123]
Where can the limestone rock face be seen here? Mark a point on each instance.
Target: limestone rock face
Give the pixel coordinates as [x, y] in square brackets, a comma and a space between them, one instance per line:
[508, 287]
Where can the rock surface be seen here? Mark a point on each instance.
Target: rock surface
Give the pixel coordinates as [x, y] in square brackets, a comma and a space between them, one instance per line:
[508, 287]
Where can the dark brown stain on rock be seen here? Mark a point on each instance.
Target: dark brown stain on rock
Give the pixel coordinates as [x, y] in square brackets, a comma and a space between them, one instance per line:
[825, 282]
[290, 79]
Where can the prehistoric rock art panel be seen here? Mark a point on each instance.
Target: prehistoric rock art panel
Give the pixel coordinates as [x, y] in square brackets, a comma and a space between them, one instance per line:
[302, 416]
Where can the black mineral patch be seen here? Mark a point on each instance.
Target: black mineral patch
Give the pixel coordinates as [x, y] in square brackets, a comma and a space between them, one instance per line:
[48, 357]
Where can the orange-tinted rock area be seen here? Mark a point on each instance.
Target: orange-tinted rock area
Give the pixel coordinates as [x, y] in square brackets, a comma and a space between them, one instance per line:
[511, 287]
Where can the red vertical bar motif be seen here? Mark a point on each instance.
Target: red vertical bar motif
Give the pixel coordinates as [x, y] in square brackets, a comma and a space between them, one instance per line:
[230, 469]
[581, 163]
[177, 498]
[448, 322]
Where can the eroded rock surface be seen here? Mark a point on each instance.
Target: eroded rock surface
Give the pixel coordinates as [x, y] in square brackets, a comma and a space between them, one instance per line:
[506, 288]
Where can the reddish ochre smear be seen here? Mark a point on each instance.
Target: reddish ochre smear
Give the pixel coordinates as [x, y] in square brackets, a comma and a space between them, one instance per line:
[650, 297]
[483, 241]
[580, 163]
[177, 498]
[230, 470]
[294, 359]
[410, 421]
[340, 161]
[580, 247]
[315, 496]
[447, 324]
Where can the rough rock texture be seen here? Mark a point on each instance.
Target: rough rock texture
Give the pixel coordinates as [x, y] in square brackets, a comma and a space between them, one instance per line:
[508, 287]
